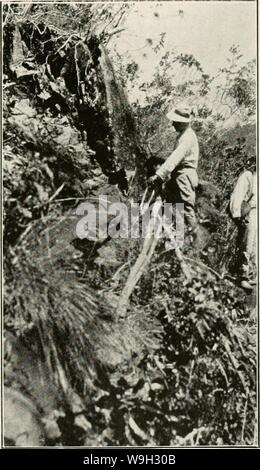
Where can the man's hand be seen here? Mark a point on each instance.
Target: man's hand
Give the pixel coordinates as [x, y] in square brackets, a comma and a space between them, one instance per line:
[155, 182]
[241, 222]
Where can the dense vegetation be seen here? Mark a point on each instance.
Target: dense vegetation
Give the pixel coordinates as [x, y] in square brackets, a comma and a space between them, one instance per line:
[181, 368]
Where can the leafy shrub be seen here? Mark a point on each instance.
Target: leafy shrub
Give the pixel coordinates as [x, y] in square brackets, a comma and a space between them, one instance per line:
[196, 387]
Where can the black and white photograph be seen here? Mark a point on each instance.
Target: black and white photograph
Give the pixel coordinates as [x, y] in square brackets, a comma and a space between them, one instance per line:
[129, 223]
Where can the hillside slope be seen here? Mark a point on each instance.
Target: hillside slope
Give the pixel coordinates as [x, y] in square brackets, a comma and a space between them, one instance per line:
[180, 369]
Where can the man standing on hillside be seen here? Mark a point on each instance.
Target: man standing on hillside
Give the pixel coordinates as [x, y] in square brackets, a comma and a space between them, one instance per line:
[242, 209]
[179, 171]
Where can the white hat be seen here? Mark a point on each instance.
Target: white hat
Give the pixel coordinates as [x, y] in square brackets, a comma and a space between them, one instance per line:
[180, 114]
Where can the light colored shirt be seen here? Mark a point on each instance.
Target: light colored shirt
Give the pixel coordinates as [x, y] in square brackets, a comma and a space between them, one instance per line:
[185, 156]
[244, 190]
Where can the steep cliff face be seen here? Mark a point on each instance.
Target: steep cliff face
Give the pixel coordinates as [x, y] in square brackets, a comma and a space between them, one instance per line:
[127, 143]
[64, 141]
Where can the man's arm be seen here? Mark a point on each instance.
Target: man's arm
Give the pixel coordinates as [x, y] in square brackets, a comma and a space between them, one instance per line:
[239, 195]
[173, 160]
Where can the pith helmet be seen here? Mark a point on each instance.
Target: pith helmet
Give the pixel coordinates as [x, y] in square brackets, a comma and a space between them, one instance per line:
[180, 114]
